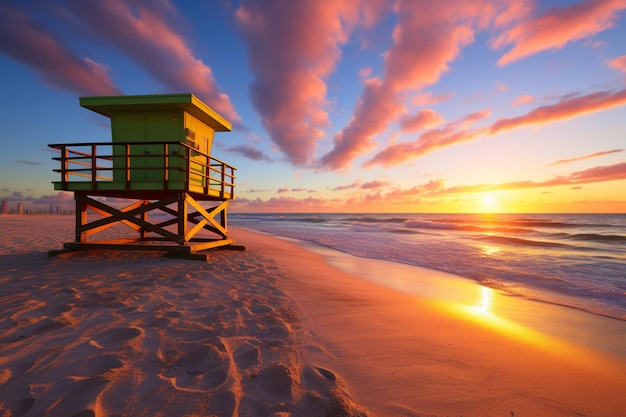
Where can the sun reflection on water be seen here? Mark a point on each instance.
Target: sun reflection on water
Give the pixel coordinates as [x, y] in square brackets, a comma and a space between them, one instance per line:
[489, 250]
[486, 300]
[484, 310]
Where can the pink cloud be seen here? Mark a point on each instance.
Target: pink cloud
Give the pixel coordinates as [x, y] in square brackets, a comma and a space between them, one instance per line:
[427, 99]
[436, 188]
[557, 27]
[459, 130]
[588, 176]
[354, 184]
[428, 37]
[292, 48]
[365, 72]
[454, 132]
[618, 63]
[27, 41]
[518, 101]
[581, 158]
[371, 116]
[568, 107]
[433, 139]
[249, 152]
[149, 33]
[424, 119]
[374, 184]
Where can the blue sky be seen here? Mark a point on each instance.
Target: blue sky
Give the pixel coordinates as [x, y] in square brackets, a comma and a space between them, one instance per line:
[353, 105]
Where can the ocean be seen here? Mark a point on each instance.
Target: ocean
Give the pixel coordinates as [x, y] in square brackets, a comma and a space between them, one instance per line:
[574, 260]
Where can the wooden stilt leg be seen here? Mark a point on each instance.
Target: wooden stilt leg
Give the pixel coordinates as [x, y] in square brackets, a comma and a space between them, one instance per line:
[81, 218]
[144, 217]
[182, 219]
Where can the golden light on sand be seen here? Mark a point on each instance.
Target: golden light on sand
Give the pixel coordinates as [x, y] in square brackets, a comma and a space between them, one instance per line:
[484, 311]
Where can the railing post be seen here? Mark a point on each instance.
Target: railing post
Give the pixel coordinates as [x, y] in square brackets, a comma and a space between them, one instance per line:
[232, 182]
[187, 168]
[65, 176]
[127, 166]
[223, 173]
[166, 160]
[94, 165]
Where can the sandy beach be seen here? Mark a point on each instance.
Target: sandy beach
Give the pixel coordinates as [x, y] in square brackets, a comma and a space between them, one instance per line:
[280, 331]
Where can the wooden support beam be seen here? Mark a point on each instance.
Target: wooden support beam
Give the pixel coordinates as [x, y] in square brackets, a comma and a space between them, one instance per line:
[180, 237]
[210, 216]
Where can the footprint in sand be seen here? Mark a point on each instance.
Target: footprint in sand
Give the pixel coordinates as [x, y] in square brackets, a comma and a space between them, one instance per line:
[246, 355]
[115, 337]
[202, 368]
[98, 365]
[276, 381]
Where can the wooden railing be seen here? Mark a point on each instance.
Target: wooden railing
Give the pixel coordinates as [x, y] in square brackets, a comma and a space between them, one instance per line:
[165, 165]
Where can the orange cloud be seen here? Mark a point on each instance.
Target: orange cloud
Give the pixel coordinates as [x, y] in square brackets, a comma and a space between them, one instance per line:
[592, 175]
[427, 38]
[557, 27]
[354, 184]
[424, 119]
[436, 188]
[580, 158]
[371, 116]
[149, 33]
[374, 184]
[292, 48]
[427, 99]
[618, 63]
[454, 132]
[459, 131]
[27, 41]
[518, 101]
[567, 108]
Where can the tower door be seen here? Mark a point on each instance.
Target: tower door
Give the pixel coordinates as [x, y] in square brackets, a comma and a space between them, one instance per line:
[147, 161]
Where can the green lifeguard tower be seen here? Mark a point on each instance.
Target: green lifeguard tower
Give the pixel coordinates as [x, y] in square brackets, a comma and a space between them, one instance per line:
[159, 159]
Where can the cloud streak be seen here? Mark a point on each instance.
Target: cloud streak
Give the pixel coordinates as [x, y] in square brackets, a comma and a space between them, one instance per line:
[27, 41]
[452, 133]
[292, 48]
[618, 63]
[581, 158]
[557, 27]
[249, 151]
[149, 34]
[427, 38]
[565, 109]
[568, 107]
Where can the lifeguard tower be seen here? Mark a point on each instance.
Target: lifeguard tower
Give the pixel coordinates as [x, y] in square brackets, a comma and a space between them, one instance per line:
[158, 161]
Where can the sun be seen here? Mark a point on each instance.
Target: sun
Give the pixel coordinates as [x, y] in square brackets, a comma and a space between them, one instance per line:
[489, 202]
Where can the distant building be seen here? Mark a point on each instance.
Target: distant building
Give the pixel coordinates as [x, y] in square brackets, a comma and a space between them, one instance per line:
[5, 207]
[20, 208]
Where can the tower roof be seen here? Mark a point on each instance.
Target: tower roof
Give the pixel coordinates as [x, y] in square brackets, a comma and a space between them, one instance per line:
[109, 105]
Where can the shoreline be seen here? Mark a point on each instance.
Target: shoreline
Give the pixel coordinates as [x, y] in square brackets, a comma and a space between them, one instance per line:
[573, 324]
[407, 355]
[275, 331]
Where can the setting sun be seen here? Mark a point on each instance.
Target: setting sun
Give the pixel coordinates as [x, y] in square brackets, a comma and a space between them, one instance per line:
[489, 203]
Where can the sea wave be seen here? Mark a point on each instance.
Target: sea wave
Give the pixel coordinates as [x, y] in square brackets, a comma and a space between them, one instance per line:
[597, 237]
[520, 241]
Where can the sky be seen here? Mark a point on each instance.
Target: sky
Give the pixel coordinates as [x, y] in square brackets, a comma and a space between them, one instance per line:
[339, 106]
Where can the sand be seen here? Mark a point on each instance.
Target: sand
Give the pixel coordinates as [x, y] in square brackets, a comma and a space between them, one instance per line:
[279, 331]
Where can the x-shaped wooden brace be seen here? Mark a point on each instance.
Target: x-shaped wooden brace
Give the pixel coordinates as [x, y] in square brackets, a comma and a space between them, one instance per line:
[201, 218]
